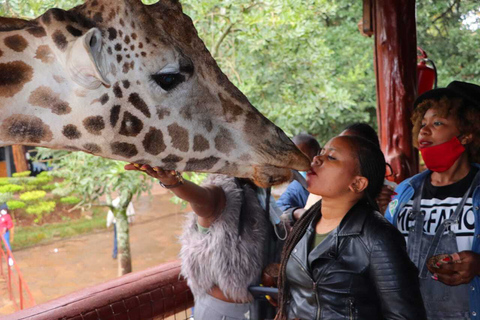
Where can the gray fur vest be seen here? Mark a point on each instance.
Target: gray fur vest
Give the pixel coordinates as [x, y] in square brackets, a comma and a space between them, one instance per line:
[223, 257]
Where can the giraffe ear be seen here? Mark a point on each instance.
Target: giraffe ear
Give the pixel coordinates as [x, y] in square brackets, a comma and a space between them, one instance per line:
[86, 63]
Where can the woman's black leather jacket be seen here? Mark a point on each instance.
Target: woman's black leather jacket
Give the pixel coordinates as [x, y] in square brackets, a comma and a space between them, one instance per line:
[360, 271]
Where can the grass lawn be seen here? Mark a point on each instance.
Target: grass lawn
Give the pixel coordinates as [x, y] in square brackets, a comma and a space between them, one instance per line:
[33, 235]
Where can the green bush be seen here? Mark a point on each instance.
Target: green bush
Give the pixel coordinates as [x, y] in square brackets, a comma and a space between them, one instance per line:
[21, 180]
[15, 204]
[39, 180]
[41, 208]
[49, 187]
[10, 188]
[70, 200]
[4, 197]
[33, 195]
[4, 181]
[21, 174]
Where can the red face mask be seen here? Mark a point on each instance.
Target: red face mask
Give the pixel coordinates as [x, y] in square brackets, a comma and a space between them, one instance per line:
[441, 157]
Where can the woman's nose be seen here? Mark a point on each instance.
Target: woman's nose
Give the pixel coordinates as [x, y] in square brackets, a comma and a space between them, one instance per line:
[317, 160]
[425, 130]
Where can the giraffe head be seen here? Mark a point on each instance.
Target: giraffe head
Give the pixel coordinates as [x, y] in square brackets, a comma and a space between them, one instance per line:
[133, 82]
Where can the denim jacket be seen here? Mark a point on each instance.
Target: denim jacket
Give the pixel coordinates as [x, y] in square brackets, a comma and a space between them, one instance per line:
[405, 192]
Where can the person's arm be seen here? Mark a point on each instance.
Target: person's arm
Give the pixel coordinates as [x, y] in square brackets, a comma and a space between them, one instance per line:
[207, 202]
[395, 277]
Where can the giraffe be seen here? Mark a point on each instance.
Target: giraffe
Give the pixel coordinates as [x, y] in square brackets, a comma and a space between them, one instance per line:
[133, 82]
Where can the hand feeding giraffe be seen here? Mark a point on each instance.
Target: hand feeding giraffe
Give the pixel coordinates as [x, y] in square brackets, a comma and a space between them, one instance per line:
[127, 81]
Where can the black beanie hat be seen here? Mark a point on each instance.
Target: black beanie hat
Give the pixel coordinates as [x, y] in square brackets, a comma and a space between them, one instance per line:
[468, 92]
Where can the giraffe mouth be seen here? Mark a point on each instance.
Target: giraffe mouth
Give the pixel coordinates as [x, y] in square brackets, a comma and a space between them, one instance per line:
[267, 176]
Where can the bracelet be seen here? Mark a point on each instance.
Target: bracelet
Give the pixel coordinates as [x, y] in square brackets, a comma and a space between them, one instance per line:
[180, 181]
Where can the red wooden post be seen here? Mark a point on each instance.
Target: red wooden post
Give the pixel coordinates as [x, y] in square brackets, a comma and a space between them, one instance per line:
[395, 66]
[20, 292]
[9, 281]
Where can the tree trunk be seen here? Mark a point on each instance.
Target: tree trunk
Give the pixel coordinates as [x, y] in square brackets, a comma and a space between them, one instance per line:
[123, 236]
[19, 159]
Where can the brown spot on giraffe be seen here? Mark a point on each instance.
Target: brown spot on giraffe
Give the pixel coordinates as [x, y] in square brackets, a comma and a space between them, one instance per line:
[118, 47]
[114, 115]
[44, 54]
[124, 149]
[207, 124]
[109, 50]
[97, 17]
[60, 40]
[112, 33]
[126, 84]
[1, 53]
[37, 31]
[74, 31]
[117, 91]
[134, 36]
[200, 143]
[186, 113]
[94, 124]
[16, 42]
[71, 132]
[126, 67]
[201, 164]
[162, 112]
[153, 141]
[13, 77]
[119, 58]
[58, 14]
[126, 39]
[45, 97]
[21, 128]
[224, 141]
[92, 148]
[138, 103]
[122, 23]
[94, 3]
[231, 111]
[179, 137]
[104, 99]
[172, 158]
[140, 45]
[131, 125]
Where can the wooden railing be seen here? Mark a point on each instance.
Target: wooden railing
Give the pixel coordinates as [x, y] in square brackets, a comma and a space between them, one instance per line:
[14, 279]
[156, 293]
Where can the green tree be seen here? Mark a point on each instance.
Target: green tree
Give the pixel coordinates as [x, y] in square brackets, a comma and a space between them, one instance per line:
[96, 181]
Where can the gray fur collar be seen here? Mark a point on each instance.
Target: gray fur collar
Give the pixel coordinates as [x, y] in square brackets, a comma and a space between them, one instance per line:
[223, 257]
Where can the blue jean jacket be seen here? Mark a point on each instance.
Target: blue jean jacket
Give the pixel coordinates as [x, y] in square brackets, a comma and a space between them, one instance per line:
[405, 192]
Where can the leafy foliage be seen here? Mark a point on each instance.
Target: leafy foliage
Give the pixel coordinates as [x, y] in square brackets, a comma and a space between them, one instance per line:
[70, 200]
[10, 188]
[33, 195]
[15, 204]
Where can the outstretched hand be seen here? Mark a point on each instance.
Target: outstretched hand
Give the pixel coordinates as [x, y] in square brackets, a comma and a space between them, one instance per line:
[167, 177]
[464, 267]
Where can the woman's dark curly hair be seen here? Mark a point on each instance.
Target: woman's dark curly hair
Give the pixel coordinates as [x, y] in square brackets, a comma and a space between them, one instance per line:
[466, 117]
[371, 165]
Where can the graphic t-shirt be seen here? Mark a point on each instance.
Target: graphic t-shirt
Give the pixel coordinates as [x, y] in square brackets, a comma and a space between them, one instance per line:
[438, 204]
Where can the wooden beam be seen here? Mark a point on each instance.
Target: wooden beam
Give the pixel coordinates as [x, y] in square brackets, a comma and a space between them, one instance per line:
[19, 159]
[395, 67]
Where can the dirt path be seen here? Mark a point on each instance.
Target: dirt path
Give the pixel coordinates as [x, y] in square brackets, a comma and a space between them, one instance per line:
[62, 267]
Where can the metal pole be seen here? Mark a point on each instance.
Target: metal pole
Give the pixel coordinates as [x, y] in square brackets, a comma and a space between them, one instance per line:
[9, 281]
[9, 160]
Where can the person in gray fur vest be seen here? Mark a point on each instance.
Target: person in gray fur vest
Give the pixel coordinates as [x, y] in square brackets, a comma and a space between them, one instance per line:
[224, 241]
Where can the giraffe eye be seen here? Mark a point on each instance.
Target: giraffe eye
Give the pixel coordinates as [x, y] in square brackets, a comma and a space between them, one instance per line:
[168, 81]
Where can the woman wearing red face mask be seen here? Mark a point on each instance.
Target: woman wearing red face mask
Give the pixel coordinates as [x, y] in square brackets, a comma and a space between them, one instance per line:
[438, 210]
